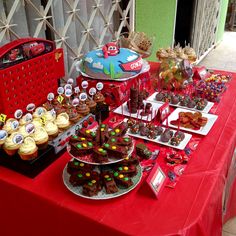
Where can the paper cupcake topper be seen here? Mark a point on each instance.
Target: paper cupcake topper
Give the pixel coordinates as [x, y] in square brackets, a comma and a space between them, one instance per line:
[40, 111]
[76, 89]
[84, 84]
[50, 96]
[68, 86]
[68, 92]
[18, 114]
[14, 125]
[75, 102]
[28, 117]
[70, 81]
[3, 117]
[18, 139]
[83, 96]
[30, 107]
[29, 128]
[3, 134]
[99, 86]
[53, 112]
[60, 90]
[92, 91]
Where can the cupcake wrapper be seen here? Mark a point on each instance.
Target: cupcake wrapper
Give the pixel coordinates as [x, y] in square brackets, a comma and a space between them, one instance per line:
[27, 157]
[11, 152]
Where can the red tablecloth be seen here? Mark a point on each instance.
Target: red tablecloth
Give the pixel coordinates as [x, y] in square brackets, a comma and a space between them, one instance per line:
[43, 206]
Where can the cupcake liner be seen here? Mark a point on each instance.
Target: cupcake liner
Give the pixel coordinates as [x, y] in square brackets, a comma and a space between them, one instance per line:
[27, 157]
[10, 152]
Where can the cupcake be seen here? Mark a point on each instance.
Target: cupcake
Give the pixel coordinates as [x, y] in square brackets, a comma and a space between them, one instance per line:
[48, 106]
[83, 109]
[28, 149]
[40, 137]
[49, 116]
[62, 121]
[11, 125]
[74, 116]
[99, 98]
[26, 119]
[12, 143]
[92, 105]
[37, 122]
[3, 136]
[39, 111]
[22, 130]
[51, 129]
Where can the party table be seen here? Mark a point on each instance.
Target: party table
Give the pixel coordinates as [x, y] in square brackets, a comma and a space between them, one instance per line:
[43, 205]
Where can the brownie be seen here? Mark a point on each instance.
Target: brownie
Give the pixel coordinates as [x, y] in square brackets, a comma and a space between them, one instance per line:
[88, 134]
[130, 170]
[115, 151]
[122, 180]
[130, 160]
[121, 141]
[75, 165]
[143, 151]
[101, 134]
[91, 188]
[100, 155]
[109, 183]
[80, 177]
[75, 138]
[82, 148]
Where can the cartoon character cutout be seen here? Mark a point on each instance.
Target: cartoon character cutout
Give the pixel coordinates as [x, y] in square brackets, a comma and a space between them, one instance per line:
[110, 49]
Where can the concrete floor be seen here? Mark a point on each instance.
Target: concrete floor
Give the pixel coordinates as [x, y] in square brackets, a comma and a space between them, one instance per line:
[223, 57]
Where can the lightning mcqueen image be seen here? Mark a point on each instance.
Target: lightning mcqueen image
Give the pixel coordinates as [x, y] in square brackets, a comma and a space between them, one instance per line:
[33, 49]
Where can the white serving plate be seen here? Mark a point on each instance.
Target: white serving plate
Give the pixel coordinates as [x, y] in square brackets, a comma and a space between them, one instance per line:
[155, 107]
[203, 130]
[102, 195]
[207, 108]
[181, 146]
[145, 68]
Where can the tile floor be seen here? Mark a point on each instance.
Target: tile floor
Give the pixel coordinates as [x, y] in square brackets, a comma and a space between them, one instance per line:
[223, 57]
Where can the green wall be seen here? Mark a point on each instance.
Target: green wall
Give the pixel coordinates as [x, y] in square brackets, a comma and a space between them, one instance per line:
[156, 17]
[221, 24]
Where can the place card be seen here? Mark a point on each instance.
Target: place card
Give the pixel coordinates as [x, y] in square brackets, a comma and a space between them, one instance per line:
[156, 180]
[163, 111]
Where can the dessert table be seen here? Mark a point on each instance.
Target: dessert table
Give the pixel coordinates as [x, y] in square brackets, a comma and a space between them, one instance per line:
[43, 205]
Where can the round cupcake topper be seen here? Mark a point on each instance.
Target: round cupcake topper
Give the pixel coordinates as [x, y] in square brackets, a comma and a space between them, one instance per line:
[60, 90]
[3, 134]
[77, 90]
[15, 124]
[68, 92]
[28, 117]
[50, 96]
[29, 128]
[18, 114]
[99, 86]
[84, 84]
[40, 111]
[75, 102]
[92, 91]
[83, 96]
[68, 86]
[70, 81]
[18, 139]
[53, 112]
[30, 107]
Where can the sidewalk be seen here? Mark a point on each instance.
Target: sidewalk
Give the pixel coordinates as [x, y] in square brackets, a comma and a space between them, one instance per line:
[223, 57]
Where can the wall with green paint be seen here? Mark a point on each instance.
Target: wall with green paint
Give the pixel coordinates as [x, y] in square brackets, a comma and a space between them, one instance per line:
[156, 17]
[221, 24]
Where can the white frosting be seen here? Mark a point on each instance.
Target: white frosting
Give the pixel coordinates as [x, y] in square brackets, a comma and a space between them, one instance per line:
[98, 65]
[89, 59]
